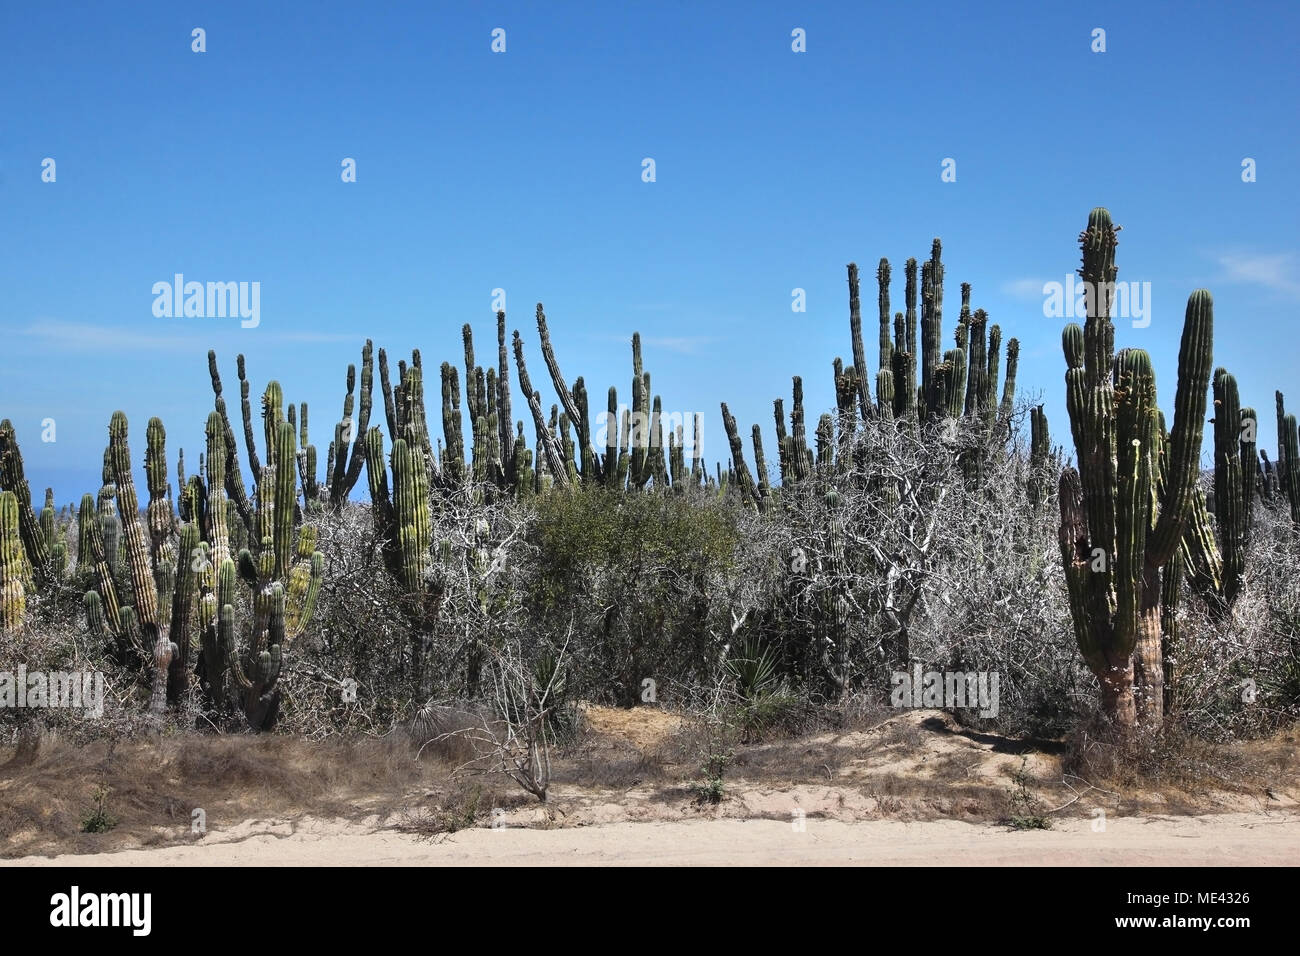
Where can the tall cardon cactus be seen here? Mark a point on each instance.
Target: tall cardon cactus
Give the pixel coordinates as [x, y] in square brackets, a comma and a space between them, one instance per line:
[1122, 513]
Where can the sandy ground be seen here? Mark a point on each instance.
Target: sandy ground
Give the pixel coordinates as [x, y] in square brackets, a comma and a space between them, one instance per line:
[1239, 839]
[914, 789]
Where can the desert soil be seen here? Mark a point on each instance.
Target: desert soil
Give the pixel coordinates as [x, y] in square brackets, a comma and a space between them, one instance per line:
[1216, 840]
[914, 789]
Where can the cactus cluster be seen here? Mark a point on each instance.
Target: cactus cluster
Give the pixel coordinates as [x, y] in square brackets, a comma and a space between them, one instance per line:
[960, 384]
[237, 574]
[1214, 552]
[179, 564]
[1123, 511]
[281, 568]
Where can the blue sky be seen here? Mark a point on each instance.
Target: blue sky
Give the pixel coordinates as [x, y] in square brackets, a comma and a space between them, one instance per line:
[522, 171]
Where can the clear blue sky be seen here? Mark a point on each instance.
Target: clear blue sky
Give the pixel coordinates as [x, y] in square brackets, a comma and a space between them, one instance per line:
[522, 171]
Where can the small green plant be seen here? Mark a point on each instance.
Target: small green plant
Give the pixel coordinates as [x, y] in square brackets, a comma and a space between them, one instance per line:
[753, 667]
[1026, 811]
[99, 820]
[713, 766]
[460, 811]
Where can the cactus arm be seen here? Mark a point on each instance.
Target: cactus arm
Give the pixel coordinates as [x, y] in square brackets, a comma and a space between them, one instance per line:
[1195, 358]
[855, 332]
[545, 438]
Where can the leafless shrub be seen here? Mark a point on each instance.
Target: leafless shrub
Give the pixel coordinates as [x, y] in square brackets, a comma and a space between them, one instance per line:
[519, 741]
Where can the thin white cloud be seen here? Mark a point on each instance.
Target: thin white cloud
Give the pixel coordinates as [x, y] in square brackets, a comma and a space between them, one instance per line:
[1027, 289]
[88, 337]
[1279, 272]
[315, 337]
[685, 344]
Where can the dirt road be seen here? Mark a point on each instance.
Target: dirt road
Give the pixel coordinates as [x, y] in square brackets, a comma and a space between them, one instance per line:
[1225, 839]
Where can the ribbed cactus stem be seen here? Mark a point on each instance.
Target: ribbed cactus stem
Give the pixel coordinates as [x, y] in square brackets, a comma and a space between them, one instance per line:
[1288, 457]
[978, 362]
[48, 521]
[137, 549]
[1124, 512]
[855, 330]
[192, 566]
[234, 479]
[246, 413]
[219, 529]
[801, 460]
[504, 420]
[1230, 504]
[12, 478]
[411, 516]
[86, 519]
[782, 445]
[885, 393]
[1008, 406]
[96, 623]
[1040, 450]
[1195, 359]
[882, 299]
[13, 590]
[744, 478]
[286, 496]
[931, 323]
[760, 465]
[143, 584]
[545, 439]
[907, 342]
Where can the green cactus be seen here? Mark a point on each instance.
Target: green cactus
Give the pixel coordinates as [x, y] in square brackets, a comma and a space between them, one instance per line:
[1215, 554]
[13, 590]
[801, 456]
[1288, 458]
[905, 341]
[1122, 515]
[855, 332]
[160, 516]
[453, 458]
[55, 544]
[96, 623]
[86, 518]
[847, 402]
[782, 446]
[931, 327]
[12, 478]
[574, 402]
[886, 355]
[748, 490]
[146, 611]
[234, 487]
[549, 453]
[284, 571]
[1040, 457]
[411, 517]
[1007, 407]
[192, 562]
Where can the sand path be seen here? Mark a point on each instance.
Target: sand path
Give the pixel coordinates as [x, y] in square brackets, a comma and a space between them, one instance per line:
[1223, 839]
